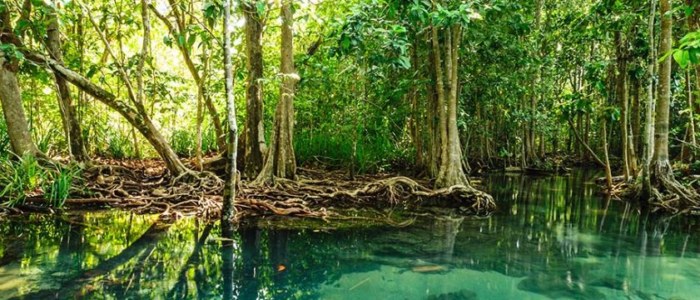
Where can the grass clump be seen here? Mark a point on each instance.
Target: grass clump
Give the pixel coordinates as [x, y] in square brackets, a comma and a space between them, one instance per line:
[24, 176]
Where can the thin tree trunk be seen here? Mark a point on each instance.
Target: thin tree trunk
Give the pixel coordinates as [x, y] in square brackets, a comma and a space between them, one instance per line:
[71, 126]
[179, 29]
[416, 125]
[690, 143]
[635, 126]
[648, 137]
[432, 114]
[228, 208]
[608, 170]
[621, 90]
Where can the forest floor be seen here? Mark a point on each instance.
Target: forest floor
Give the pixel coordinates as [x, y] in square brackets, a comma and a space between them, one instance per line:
[143, 186]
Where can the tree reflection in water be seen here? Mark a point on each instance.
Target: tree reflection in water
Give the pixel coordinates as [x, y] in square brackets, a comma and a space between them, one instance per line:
[552, 237]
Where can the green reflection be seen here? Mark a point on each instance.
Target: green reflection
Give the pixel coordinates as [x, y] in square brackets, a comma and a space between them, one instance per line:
[553, 237]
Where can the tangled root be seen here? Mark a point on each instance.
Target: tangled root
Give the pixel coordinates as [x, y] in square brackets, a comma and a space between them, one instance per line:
[199, 194]
[391, 192]
[669, 195]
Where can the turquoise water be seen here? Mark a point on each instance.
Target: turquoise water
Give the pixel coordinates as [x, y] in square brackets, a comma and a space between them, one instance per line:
[552, 238]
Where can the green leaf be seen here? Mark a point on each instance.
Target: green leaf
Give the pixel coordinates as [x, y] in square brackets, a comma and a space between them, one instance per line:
[404, 62]
[191, 40]
[260, 6]
[681, 57]
[181, 40]
[345, 43]
[693, 54]
[168, 41]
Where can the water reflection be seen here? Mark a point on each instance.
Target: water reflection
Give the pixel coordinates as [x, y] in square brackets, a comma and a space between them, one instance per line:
[552, 238]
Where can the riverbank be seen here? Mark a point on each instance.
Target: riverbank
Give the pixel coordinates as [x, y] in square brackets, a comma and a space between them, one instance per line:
[143, 187]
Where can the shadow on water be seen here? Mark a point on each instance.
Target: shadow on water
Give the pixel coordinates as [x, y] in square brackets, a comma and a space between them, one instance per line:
[552, 238]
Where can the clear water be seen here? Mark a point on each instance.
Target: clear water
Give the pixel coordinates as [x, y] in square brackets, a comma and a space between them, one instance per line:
[552, 238]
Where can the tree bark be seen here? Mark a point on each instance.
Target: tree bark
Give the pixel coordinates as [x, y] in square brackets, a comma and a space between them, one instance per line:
[281, 161]
[621, 90]
[254, 126]
[661, 124]
[689, 145]
[648, 136]
[636, 121]
[228, 208]
[17, 125]
[451, 172]
[432, 115]
[71, 126]
[608, 169]
[416, 125]
[11, 96]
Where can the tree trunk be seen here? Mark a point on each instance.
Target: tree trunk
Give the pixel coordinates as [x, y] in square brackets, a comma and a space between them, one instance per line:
[608, 170]
[416, 125]
[11, 99]
[11, 96]
[636, 120]
[254, 130]
[71, 126]
[451, 172]
[281, 161]
[621, 90]
[661, 170]
[137, 119]
[179, 29]
[228, 208]
[432, 116]
[648, 136]
[689, 145]
[661, 125]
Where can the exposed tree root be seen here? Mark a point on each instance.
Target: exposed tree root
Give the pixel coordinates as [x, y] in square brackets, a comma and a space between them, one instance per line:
[315, 195]
[400, 192]
[666, 194]
[671, 196]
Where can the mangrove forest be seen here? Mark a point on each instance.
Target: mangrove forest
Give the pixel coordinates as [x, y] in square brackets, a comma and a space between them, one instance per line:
[349, 149]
